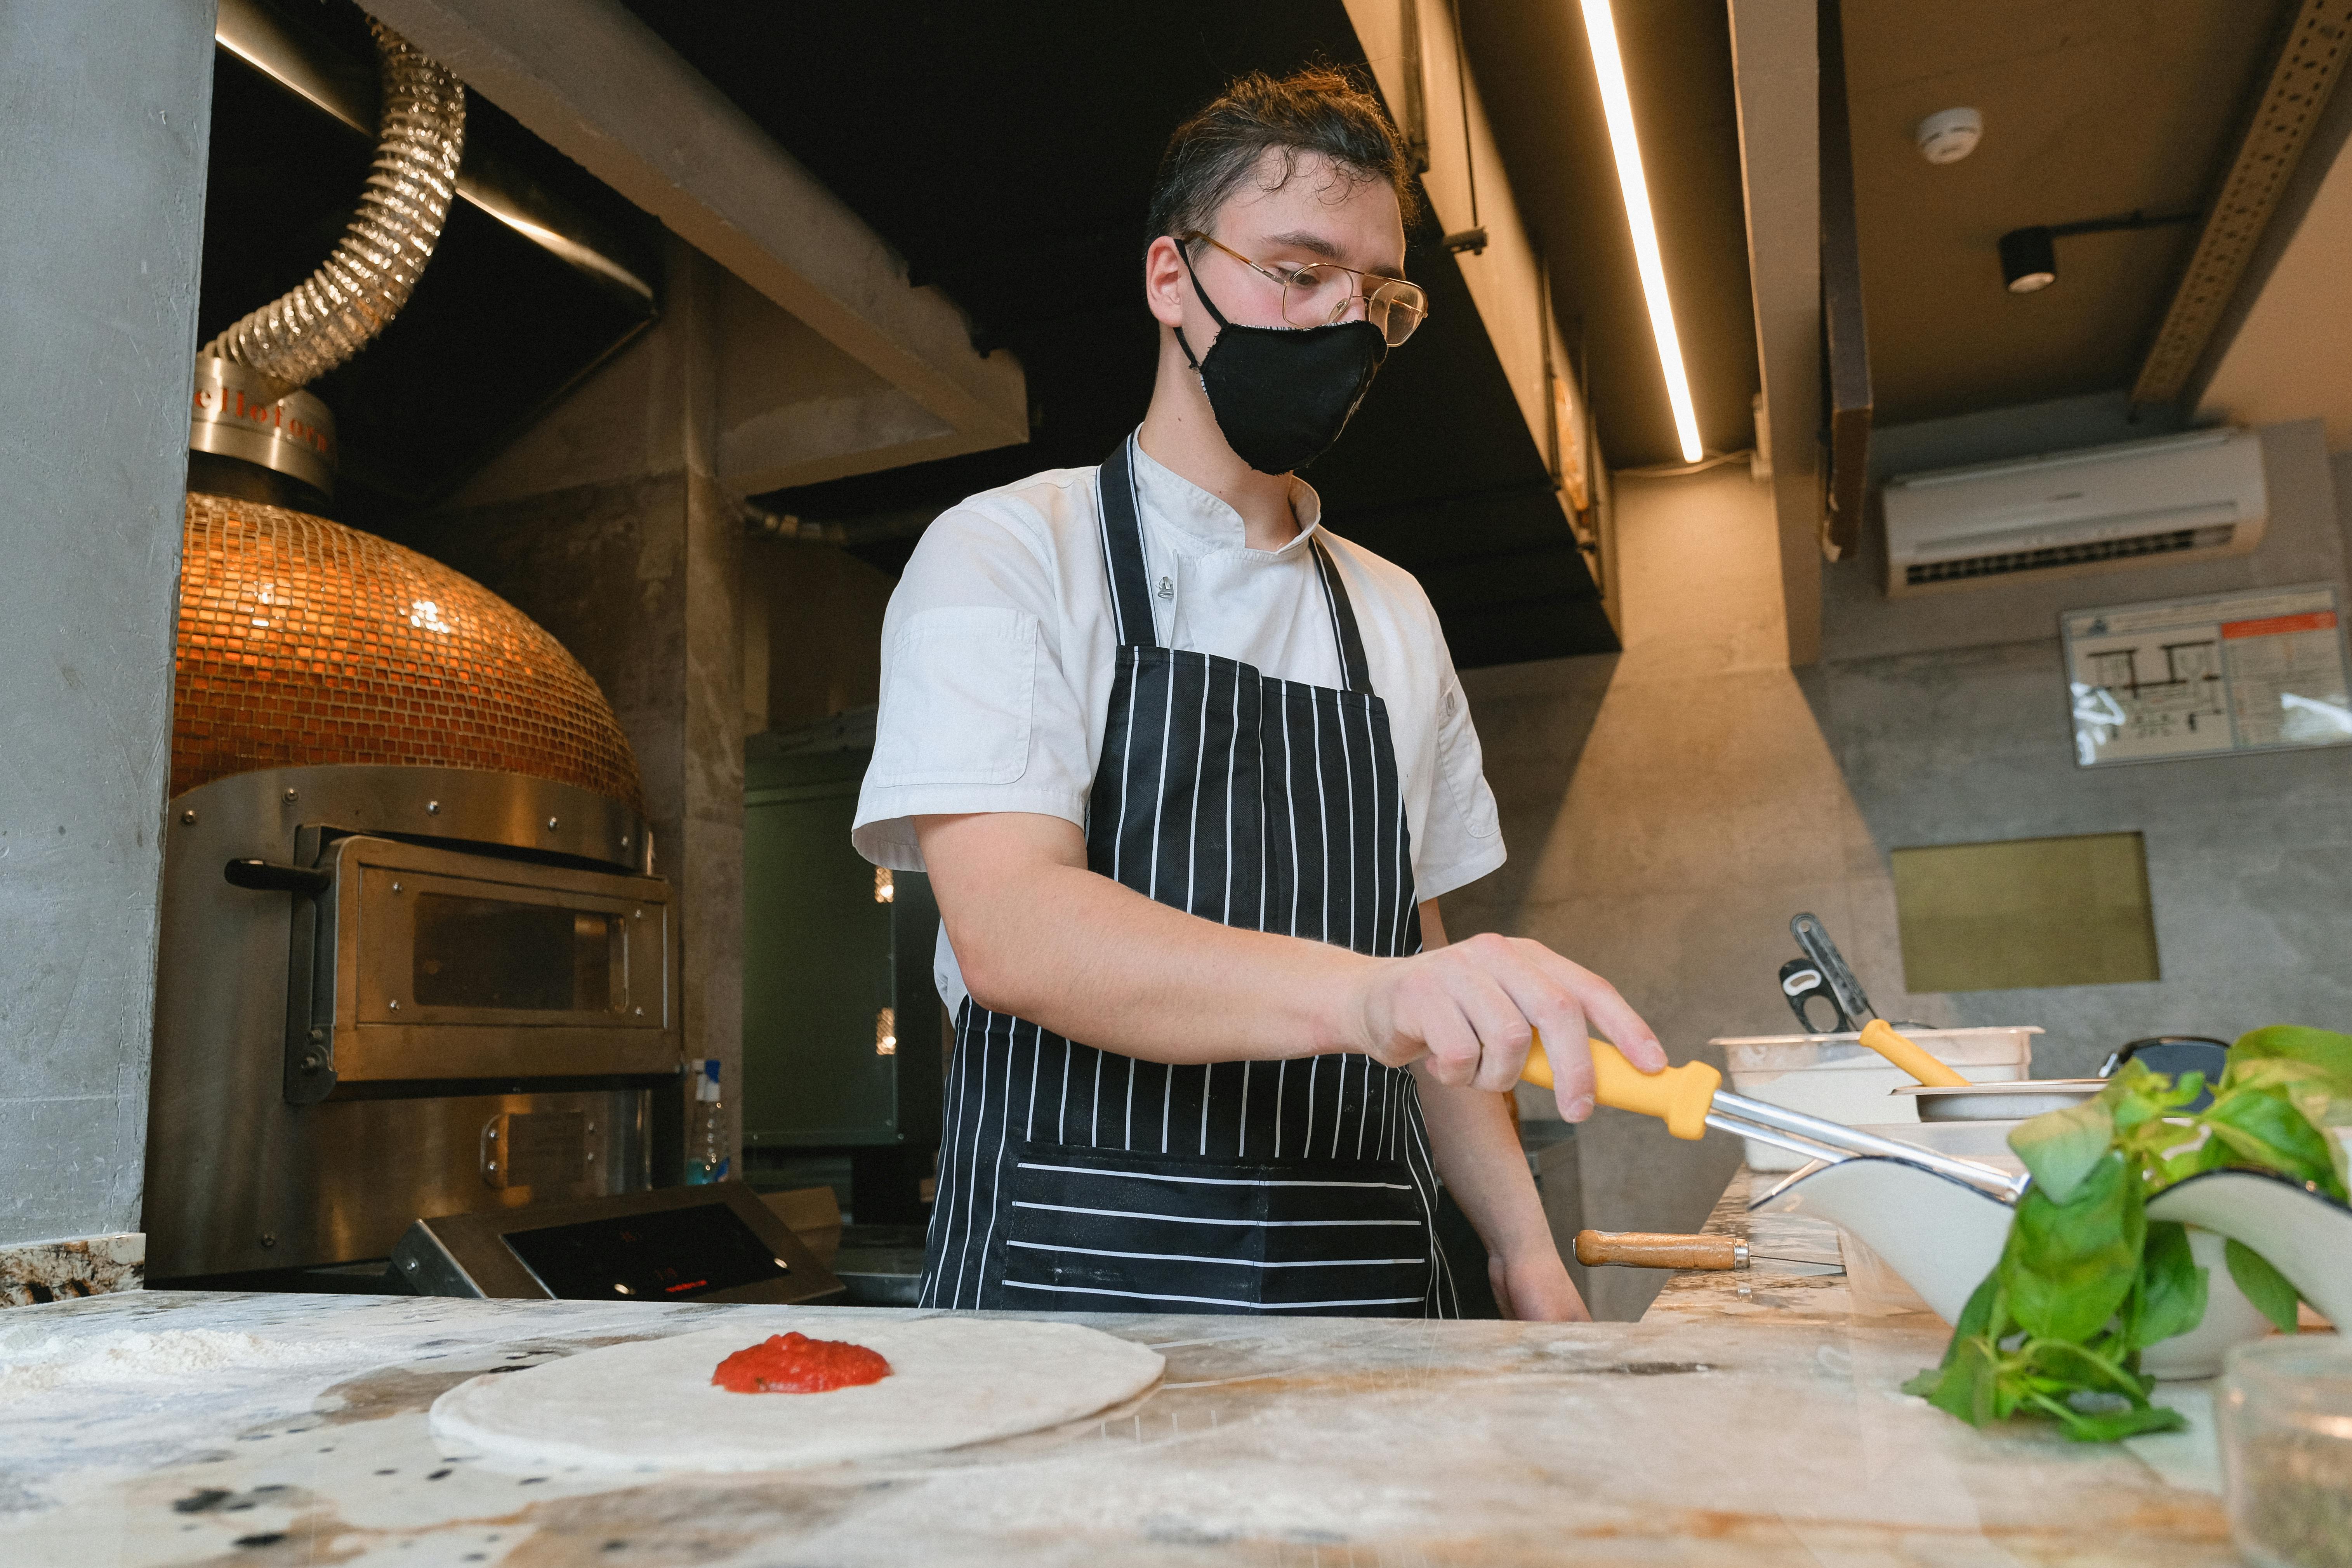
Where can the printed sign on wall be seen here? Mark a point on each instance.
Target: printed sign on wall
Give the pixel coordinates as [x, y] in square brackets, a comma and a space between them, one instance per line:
[2257, 671]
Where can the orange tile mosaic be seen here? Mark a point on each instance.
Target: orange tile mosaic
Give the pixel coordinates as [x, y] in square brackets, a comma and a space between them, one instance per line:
[304, 642]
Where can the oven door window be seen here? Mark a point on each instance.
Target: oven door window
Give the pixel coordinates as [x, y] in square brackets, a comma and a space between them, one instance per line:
[492, 954]
[421, 949]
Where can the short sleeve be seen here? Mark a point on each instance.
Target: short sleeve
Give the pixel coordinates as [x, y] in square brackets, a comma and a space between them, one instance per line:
[1463, 839]
[975, 714]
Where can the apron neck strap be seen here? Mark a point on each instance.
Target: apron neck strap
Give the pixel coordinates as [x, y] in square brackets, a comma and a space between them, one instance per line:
[1343, 620]
[1123, 534]
[1130, 580]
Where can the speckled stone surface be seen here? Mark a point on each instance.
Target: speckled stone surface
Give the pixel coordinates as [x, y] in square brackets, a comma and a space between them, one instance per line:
[41, 1271]
[1753, 1434]
[1798, 1272]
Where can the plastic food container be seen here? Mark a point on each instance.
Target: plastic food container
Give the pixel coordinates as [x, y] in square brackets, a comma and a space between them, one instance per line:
[2284, 1411]
[1836, 1078]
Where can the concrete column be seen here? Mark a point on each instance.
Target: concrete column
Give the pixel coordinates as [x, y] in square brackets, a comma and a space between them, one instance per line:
[105, 116]
[605, 524]
[708, 860]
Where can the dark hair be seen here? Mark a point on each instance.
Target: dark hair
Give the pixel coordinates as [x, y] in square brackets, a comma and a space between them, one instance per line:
[1319, 109]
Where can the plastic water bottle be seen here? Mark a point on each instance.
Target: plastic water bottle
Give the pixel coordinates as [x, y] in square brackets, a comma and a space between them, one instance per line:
[706, 1150]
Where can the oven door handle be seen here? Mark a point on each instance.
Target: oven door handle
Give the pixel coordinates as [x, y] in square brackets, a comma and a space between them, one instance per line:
[310, 1075]
[267, 877]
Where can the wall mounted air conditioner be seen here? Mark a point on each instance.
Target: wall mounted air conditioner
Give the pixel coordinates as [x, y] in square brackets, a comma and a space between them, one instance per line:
[2176, 498]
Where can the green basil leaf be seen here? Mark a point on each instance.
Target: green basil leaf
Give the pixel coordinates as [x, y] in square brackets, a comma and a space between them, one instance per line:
[2059, 1147]
[2210, 1156]
[2077, 1368]
[2069, 1265]
[2171, 1286]
[1965, 1385]
[2269, 1072]
[2137, 1094]
[2292, 1042]
[2265, 1129]
[2110, 1426]
[2264, 1285]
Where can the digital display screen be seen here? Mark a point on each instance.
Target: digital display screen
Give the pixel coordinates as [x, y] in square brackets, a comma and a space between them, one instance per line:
[486, 952]
[675, 1255]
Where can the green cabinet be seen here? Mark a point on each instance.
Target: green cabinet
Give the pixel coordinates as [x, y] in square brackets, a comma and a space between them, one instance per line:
[841, 1028]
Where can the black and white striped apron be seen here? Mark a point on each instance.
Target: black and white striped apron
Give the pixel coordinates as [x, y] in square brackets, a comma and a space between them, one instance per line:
[1076, 1179]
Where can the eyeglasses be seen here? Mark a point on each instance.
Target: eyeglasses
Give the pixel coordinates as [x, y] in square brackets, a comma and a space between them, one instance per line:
[1318, 293]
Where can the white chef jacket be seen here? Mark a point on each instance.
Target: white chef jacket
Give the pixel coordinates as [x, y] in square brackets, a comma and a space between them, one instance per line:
[997, 663]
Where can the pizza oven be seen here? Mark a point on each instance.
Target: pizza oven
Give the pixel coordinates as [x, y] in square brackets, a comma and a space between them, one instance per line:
[415, 961]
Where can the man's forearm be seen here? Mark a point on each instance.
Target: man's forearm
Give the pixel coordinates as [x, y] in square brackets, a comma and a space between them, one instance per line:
[1087, 958]
[1041, 937]
[1477, 1153]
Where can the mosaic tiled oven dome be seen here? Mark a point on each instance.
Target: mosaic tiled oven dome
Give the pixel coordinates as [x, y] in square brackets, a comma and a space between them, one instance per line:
[302, 642]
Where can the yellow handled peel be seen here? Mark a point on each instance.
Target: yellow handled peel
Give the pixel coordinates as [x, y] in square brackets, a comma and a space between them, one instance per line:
[1679, 1097]
[1690, 1099]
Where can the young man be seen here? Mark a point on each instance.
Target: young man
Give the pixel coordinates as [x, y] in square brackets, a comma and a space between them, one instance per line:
[1187, 773]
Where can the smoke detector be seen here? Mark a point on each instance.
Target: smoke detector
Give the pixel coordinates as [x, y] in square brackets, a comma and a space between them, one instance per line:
[1950, 135]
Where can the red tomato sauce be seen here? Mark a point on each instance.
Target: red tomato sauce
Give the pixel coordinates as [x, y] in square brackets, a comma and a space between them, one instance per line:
[795, 1363]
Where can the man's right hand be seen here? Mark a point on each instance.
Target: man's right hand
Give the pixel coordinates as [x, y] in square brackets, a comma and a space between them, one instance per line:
[1471, 1009]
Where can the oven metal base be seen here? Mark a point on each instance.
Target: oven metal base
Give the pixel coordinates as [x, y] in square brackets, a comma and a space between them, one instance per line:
[238, 1180]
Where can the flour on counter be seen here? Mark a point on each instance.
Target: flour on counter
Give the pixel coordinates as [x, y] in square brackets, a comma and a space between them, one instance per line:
[35, 1358]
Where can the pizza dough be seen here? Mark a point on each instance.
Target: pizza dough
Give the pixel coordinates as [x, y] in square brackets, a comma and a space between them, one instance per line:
[651, 1404]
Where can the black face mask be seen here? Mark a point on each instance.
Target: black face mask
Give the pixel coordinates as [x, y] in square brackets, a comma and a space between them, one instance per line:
[1282, 395]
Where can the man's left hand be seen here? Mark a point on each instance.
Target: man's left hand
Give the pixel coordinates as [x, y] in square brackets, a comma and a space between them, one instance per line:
[1535, 1289]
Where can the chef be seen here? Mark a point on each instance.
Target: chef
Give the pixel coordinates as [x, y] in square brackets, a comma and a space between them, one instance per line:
[1187, 773]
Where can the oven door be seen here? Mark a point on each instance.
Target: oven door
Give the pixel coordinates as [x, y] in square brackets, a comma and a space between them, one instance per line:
[432, 965]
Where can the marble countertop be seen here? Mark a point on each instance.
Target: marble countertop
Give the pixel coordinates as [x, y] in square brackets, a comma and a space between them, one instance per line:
[1797, 1270]
[1743, 1422]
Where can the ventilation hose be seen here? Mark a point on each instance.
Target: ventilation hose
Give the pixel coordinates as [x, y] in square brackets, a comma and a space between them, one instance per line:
[364, 283]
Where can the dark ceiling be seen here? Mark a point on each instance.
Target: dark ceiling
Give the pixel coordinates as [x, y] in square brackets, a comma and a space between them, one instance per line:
[1006, 152]
[2092, 109]
[1535, 76]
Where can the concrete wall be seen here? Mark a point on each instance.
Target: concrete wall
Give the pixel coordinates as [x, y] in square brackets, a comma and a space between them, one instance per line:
[1668, 809]
[812, 633]
[2340, 468]
[103, 131]
[1950, 721]
[605, 524]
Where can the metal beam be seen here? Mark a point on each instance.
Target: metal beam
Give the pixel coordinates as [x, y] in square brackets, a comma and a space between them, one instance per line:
[1776, 78]
[2309, 61]
[1845, 340]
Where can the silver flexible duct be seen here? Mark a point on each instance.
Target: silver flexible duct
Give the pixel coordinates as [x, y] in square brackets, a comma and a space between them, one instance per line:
[364, 283]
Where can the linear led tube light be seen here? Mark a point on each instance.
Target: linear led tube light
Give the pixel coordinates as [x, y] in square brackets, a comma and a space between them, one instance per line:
[1609, 66]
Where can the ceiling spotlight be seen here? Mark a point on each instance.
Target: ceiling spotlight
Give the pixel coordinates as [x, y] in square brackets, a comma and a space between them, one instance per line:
[2029, 259]
[1950, 135]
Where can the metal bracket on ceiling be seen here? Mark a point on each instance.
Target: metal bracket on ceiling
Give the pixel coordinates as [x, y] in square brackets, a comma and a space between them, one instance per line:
[2300, 80]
